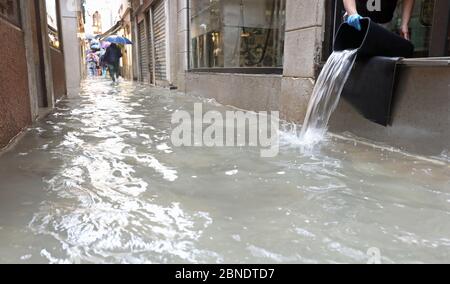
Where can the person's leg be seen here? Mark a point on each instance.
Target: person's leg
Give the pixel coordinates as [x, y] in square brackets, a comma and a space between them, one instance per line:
[112, 72]
[92, 69]
[116, 67]
[115, 73]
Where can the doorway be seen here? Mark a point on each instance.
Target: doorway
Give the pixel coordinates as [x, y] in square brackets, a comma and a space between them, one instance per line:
[39, 59]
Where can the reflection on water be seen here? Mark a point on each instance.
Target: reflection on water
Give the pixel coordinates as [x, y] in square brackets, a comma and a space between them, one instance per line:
[98, 181]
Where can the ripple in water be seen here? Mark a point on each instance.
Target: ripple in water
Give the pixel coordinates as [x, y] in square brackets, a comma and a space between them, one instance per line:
[103, 211]
[106, 186]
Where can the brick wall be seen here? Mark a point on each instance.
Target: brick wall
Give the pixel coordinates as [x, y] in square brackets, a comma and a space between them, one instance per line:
[15, 113]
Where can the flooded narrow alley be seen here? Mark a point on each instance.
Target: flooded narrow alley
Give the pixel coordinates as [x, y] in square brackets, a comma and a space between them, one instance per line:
[98, 181]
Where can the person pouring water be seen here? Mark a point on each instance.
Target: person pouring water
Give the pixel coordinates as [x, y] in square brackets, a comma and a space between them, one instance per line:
[379, 11]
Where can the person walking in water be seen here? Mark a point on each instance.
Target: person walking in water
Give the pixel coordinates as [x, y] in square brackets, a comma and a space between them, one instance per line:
[112, 59]
[92, 61]
[379, 11]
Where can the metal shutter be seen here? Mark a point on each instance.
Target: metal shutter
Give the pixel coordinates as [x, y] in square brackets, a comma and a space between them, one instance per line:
[159, 29]
[143, 52]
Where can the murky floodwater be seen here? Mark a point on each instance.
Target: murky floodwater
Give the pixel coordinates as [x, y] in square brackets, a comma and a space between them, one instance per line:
[98, 181]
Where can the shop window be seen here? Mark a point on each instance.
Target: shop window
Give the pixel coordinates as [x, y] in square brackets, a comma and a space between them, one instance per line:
[237, 33]
[52, 21]
[10, 11]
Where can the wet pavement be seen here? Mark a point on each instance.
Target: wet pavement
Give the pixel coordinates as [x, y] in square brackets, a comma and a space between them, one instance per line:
[99, 181]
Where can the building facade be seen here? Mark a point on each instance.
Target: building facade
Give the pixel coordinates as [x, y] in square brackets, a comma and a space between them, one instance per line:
[100, 16]
[35, 74]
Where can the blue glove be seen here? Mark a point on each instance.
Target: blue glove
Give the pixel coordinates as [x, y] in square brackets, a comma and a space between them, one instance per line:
[353, 21]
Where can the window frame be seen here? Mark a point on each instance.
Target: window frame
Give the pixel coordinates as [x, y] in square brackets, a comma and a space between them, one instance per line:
[225, 70]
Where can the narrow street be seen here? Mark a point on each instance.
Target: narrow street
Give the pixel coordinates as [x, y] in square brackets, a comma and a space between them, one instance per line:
[98, 181]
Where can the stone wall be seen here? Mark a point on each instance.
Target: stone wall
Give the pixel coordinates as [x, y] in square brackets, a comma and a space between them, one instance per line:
[303, 48]
[421, 113]
[249, 92]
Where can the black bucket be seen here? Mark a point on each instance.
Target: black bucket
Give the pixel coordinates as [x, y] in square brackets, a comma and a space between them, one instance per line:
[370, 86]
[372, 40]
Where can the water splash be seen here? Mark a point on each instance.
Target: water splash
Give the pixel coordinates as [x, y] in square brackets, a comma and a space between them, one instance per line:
[326, 95]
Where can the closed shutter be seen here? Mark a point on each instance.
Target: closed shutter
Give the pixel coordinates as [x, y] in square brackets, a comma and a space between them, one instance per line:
[143, 52]
[159, 29]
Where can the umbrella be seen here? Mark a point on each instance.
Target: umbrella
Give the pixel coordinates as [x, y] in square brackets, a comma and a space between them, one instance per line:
[118, 40]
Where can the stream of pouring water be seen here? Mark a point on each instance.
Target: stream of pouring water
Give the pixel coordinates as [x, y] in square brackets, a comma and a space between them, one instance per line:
[326, 95]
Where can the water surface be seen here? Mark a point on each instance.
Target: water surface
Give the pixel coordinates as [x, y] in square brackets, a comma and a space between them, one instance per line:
[99, 182]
